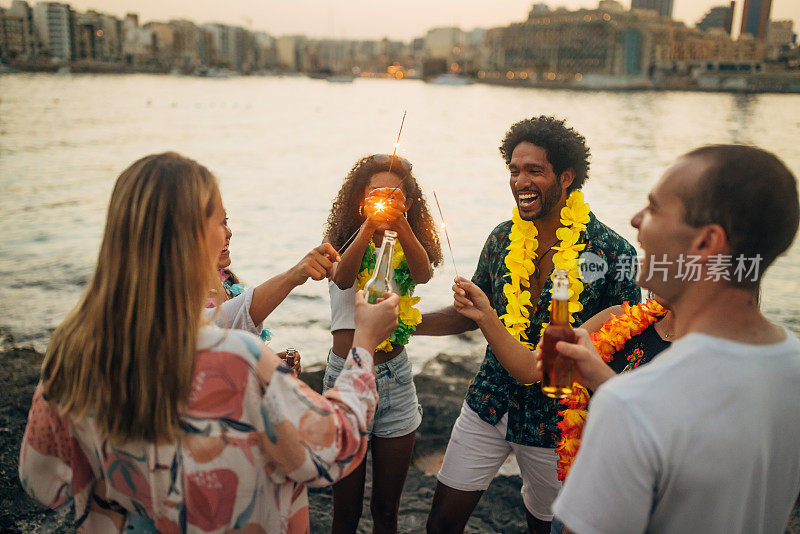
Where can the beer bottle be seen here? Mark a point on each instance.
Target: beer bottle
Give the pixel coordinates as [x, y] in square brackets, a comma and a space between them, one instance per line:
[557, 370]
[381, 277]
[291, 354]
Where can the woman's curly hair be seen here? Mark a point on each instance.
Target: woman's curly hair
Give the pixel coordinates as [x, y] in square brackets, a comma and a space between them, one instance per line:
[344, 218]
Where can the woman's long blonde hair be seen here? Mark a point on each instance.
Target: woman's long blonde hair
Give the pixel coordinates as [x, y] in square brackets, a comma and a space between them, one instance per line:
[126, 352]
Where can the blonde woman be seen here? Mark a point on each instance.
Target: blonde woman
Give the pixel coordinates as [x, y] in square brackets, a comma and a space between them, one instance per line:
[145, 409]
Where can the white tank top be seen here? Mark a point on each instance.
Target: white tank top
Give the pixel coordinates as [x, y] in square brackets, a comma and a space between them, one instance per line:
[343, 307]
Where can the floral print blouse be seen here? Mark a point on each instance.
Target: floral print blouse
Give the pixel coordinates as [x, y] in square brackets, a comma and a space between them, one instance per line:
[249, 446]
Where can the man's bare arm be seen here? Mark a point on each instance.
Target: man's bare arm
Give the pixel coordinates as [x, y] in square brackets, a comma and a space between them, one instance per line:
[444, 322]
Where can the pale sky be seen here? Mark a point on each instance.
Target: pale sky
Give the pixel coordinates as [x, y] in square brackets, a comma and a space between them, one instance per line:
[374, 19]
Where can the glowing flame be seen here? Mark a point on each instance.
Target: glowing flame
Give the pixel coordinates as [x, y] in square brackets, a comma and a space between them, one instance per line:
[442, 225]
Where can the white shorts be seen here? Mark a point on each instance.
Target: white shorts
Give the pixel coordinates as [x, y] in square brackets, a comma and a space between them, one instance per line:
[477, 450]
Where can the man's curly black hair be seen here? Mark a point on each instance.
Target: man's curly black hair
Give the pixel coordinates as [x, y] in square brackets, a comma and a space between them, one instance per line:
[566, 148]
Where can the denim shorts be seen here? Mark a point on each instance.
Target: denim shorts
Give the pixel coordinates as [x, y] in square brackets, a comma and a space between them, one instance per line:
[398, 413]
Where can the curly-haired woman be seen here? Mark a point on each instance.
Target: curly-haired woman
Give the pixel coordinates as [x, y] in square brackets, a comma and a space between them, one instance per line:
[386, 181]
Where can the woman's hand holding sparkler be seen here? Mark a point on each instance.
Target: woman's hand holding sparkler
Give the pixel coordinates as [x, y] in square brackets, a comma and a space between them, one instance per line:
[383, 206]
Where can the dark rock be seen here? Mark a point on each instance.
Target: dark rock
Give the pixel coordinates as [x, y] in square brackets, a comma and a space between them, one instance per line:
[19, 374]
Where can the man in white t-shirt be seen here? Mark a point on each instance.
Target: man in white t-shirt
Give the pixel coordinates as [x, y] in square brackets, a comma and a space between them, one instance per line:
[707, 437]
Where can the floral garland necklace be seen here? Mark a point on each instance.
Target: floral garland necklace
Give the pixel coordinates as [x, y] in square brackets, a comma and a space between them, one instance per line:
[611, 337]
[521, 257]
[409, 316]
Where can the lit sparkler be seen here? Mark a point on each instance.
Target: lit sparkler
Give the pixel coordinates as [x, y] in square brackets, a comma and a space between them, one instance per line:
[446, 235]
[380, 205]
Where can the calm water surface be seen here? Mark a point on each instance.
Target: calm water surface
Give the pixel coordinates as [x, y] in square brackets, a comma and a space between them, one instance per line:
[281, 147]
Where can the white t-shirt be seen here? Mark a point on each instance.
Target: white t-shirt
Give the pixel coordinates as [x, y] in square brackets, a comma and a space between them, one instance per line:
[234, 314]
[706, 438]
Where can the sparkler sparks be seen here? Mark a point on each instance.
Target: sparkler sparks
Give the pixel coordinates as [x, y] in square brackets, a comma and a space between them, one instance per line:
[446, 235]
[391, 162]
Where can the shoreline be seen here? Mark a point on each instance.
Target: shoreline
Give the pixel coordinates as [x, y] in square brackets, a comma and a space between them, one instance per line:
[771, 83]
[441, 387]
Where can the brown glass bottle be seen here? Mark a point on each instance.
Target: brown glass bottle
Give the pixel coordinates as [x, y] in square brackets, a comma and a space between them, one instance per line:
[291, 354]
[557, 370]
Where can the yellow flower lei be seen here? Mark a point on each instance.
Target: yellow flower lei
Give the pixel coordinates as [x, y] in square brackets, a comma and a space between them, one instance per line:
[519, 260]
[520, 264]
[409, 316]
[609, 339]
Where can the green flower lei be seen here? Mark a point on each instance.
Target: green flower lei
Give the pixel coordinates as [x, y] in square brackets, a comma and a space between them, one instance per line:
[405, 284]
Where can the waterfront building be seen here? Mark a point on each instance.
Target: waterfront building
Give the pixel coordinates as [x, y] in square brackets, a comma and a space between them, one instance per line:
[164, 50]
[98, 37]
[566, 46]
[611, 6]
[441, 43]
[265, 55]
[539, 9]
[720, 17]
[329, 56]
[12, 36]
[780, 38]
[110, 40]
[288, 48]
[188, 46]
[662, 7]
[17, 35]
[755, 17]
[229, 45]
[53, 22]
[138, 44]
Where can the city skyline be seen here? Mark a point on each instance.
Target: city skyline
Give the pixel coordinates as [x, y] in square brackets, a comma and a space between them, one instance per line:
[361, 19]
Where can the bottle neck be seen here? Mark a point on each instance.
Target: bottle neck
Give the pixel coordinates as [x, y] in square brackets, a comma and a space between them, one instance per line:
[559, 312]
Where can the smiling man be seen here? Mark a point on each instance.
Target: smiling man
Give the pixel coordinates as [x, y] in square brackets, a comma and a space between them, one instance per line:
[707, 437]
[548, 163]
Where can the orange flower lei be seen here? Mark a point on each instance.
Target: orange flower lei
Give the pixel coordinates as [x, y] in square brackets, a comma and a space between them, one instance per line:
[609, 339]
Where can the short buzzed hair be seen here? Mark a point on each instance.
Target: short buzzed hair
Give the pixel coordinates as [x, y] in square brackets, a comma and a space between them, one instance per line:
[751, 194]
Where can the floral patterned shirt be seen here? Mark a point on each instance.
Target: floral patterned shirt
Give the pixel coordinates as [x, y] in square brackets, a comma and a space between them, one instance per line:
[532, 416]
[248, 449]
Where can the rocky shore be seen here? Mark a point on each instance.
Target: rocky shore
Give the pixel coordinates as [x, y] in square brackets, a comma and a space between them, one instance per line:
[441, 386]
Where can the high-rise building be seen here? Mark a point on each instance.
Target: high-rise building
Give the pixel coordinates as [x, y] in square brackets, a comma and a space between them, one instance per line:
[755, 18]
[662, 7]
[21, 9]
[780, 38]
[443, 42]
[54, 23]
[718, 17]
[12, 36]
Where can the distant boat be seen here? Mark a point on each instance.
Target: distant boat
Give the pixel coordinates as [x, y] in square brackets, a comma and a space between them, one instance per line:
[320, 75]
[215, 73]
[340, 78]
[451, 79]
